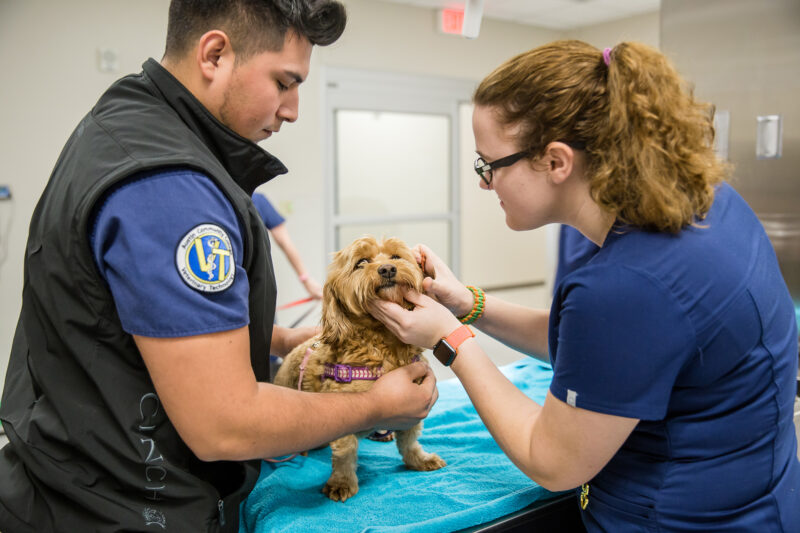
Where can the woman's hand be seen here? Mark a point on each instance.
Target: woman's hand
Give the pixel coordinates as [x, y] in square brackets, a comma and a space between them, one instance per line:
[423, 326]
[442, 285]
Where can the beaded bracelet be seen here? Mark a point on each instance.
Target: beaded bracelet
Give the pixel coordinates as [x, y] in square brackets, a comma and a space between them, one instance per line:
[477, 306]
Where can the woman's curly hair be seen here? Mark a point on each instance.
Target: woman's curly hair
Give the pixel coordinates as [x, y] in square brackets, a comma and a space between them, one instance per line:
[648, 141]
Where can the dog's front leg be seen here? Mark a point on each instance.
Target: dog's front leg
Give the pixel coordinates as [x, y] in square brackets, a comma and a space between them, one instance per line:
[414, 456]
[343, 482]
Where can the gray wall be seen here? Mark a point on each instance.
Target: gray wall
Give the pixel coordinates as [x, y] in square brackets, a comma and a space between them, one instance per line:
[744, 56]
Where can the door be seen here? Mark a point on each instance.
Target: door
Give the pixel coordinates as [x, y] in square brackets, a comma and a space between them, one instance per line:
[393, 159]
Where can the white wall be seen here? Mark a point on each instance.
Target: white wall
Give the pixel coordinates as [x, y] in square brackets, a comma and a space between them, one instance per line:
[643, 28]
[50, 80]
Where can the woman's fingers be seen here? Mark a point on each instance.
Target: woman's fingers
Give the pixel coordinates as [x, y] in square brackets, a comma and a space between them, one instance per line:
[386, 312]
[416, 298]
[426, 259]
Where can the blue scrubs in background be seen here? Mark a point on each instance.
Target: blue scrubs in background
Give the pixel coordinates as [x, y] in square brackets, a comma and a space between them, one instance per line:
[272, 219]
[694, 334]
[269, 214]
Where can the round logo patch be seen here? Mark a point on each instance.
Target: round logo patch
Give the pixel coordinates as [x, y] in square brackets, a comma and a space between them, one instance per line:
[205, 259]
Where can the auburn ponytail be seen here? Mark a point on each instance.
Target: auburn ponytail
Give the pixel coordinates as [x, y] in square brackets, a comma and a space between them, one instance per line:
[648, 141]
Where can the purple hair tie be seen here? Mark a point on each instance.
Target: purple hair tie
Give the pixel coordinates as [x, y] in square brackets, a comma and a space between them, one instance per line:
[607, 56]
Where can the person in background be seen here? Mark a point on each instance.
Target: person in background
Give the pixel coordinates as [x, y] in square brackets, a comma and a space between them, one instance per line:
[137, 396]
[674, 349]
[276, 225]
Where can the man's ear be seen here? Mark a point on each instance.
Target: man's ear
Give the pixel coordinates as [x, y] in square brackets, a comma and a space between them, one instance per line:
[214, 54]
[560, 161]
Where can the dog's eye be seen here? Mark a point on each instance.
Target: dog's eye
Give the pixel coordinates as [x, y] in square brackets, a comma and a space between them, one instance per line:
[396, 257]
[361, 262]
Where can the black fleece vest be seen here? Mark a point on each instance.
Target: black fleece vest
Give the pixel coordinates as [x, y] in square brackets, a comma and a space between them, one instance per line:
[91, 448]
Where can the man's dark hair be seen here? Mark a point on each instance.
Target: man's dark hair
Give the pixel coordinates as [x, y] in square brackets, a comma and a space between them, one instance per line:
[253, 26]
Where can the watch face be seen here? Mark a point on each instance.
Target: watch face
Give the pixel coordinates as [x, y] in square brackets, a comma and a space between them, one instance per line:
[444, 352]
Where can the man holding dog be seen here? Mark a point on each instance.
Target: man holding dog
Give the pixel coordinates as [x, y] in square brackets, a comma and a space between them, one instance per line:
[137, 394]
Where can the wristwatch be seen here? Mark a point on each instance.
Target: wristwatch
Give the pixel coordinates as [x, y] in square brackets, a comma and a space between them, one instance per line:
[447, 348]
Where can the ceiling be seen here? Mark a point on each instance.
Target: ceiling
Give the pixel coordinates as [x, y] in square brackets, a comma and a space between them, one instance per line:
[553, 14]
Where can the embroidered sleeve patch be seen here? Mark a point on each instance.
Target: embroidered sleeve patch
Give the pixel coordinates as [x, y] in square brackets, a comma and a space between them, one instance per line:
[205, 259]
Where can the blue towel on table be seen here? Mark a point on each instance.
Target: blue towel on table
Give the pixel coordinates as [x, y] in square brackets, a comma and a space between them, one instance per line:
[479, 483]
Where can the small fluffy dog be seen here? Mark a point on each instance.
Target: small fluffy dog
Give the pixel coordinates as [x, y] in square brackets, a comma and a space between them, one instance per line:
[354, 348]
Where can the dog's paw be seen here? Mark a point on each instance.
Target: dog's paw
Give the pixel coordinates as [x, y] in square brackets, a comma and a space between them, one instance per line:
[425, 462]
[340, 489]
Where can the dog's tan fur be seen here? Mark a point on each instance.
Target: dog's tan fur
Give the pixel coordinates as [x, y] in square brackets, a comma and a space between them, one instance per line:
[351, 336]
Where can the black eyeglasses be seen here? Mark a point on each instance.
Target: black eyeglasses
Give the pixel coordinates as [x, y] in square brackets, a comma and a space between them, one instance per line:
[485, 170]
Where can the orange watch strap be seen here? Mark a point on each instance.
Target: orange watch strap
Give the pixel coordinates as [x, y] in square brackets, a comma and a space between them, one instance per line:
[458, 336]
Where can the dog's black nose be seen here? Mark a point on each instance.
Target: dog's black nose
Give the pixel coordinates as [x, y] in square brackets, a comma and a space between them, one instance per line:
[387, 271]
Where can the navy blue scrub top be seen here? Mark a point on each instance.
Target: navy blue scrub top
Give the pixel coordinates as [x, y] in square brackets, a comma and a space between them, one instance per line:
[574, 251]
[269, 214]
[169, 245]
[695, 335]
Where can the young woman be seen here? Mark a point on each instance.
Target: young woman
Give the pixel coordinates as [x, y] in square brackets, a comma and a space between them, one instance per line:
[674, 348]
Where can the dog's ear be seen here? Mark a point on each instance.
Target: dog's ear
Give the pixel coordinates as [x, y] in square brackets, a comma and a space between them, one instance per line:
[336, 327]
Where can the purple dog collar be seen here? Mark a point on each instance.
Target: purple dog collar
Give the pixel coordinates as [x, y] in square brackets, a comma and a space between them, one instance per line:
[347, 373]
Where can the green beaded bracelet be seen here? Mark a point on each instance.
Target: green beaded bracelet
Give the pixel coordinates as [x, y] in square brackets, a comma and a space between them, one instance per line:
[477, 306]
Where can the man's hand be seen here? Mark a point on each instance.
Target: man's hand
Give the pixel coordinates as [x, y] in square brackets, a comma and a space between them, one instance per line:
[403, 402]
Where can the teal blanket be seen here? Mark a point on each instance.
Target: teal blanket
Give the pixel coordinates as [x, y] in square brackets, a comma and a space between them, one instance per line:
[479, 483]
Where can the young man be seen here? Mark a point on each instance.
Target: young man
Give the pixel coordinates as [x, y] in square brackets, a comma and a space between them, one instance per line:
[137, 394]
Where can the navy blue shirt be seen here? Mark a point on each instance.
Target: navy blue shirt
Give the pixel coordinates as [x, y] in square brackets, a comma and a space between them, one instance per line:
[169, 245]
[694, 334]
[574, 251]
[269, 214]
